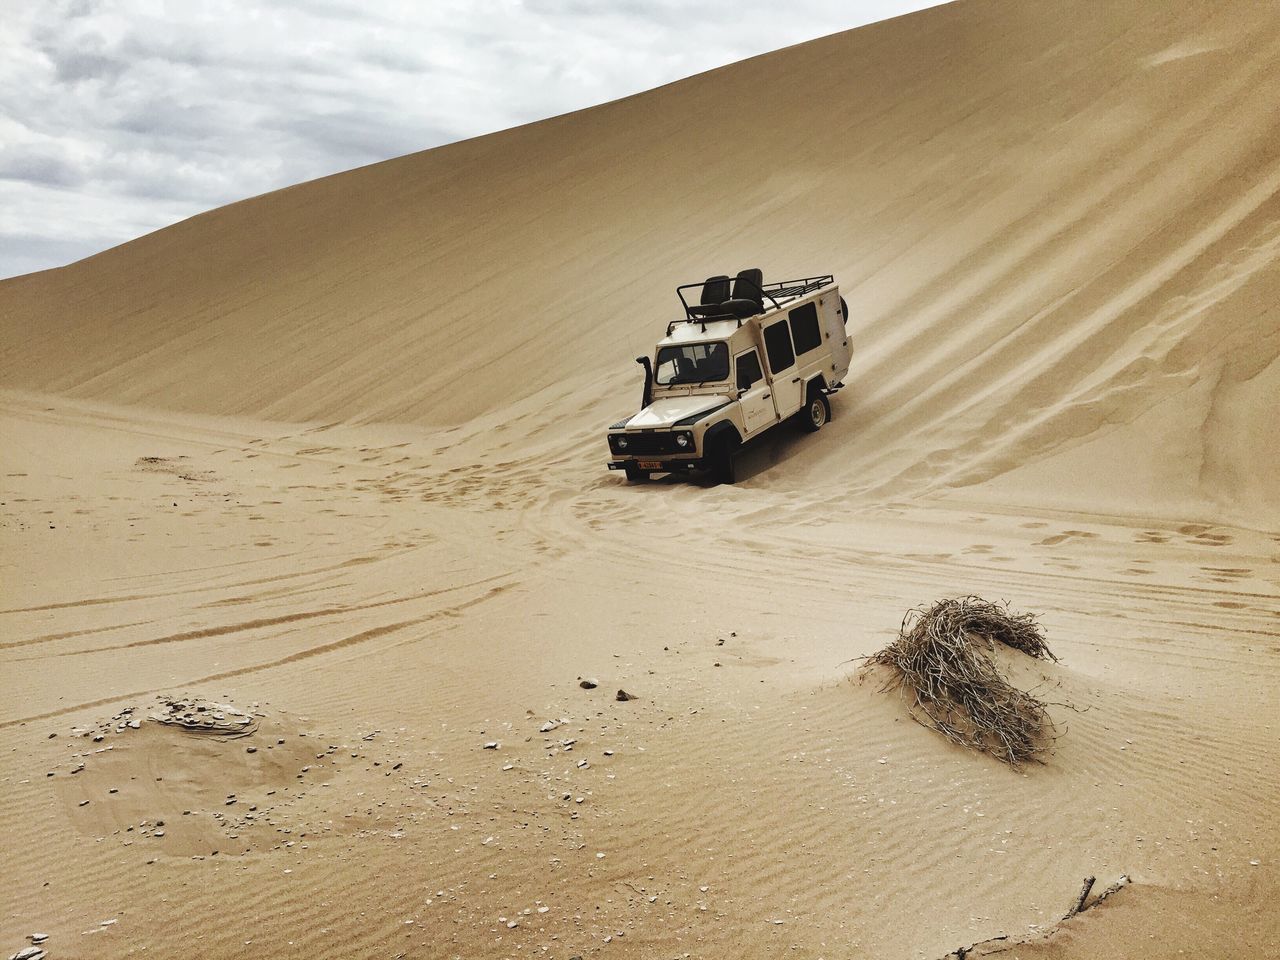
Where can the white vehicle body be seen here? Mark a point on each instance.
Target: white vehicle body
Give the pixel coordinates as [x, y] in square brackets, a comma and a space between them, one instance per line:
[731, 370]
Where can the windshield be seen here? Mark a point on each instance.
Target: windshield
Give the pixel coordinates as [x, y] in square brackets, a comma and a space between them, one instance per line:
[693, 363]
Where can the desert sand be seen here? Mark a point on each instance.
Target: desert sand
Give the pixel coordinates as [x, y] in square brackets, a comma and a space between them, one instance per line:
[332, 460]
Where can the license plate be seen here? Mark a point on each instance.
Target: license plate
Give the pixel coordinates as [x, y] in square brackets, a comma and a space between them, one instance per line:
[649, 464]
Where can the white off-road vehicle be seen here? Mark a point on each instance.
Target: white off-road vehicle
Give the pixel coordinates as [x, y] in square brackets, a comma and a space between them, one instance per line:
[747, 356]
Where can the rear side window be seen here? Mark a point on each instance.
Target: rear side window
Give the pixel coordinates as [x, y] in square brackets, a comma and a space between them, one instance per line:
[777, 343]
[749, 370]
[804, 328]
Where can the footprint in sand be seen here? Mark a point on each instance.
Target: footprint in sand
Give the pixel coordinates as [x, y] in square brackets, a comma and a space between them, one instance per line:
[1227, 574]
[1066, 535]
[1202, 534]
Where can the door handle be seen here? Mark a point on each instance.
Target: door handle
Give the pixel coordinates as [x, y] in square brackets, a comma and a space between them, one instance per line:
[765, 396]
[796, 380]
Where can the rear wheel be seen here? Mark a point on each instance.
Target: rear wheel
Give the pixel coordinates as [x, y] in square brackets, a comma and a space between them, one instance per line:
[635, 474]
[722, 461]
[816, 413]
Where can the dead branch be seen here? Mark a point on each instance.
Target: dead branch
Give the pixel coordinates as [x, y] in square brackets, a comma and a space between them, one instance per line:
[943, 656]
[1084, 895]
[1078, 906]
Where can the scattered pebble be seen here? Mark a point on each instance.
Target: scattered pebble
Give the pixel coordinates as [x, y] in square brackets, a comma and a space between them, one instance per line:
[622, 696]
[588, 683]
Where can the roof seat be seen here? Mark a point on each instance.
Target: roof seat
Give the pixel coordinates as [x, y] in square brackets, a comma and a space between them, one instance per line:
[715, 291]
[748, 294]
[749, 285]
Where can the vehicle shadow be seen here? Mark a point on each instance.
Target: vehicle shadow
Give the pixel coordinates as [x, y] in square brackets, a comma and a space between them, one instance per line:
[755, 457]
[774, 448]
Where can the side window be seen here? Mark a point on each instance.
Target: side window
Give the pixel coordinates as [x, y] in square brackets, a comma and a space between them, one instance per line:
[804, 328]
[777, 343]
[749, 370]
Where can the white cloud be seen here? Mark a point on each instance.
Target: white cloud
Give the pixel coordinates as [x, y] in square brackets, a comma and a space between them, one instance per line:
[118, 117]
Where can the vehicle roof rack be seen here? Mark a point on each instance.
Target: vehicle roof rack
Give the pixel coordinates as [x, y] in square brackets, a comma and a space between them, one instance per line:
[741, 308]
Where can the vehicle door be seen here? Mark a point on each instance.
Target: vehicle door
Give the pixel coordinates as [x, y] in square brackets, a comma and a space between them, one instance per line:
[754, 394]
[782, 368]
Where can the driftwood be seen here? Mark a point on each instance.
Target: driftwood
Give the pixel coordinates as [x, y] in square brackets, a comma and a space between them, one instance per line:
[1078, 906]
[1084, 895]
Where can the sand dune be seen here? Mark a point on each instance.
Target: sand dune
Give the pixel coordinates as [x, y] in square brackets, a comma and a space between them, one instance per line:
[1048, 226]
[333, 457]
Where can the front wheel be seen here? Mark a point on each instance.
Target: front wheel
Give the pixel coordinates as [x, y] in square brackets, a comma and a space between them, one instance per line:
[635, 474]
[816, 413]
[722, 461]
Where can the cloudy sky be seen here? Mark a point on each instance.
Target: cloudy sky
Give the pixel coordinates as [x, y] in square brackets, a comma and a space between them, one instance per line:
[118, 117]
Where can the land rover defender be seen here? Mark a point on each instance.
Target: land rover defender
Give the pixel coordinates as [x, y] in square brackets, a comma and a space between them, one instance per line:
[744, 358]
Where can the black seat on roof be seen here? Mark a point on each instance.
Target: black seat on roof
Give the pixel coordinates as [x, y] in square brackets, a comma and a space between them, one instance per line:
[741, 308]
[715, 290]
[749, 285]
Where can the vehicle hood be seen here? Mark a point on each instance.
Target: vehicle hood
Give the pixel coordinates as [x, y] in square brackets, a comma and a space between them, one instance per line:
[666, 411]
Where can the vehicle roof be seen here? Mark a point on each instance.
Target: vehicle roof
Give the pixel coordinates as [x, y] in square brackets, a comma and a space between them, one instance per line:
[701, 333]
[694, 331]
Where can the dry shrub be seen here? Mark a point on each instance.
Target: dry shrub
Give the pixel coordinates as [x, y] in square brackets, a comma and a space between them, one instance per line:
[943, 655]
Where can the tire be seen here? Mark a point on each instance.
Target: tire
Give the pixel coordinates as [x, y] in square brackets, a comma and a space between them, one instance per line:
[635, 474]
[722, 465]
[844, 311]
[816, 412]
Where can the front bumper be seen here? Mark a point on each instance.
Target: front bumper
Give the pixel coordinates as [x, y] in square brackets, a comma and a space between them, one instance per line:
[664, 465]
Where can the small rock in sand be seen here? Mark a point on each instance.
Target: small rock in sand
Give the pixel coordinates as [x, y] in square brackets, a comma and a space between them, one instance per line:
[588, 683]
[491, 745]
[622, 696]
[28, 953]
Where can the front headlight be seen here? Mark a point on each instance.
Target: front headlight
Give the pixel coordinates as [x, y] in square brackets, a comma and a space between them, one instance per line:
[622, 443]
[683, 440]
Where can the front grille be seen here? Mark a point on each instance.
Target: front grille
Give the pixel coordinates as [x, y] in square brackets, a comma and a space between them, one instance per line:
[645, 444]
